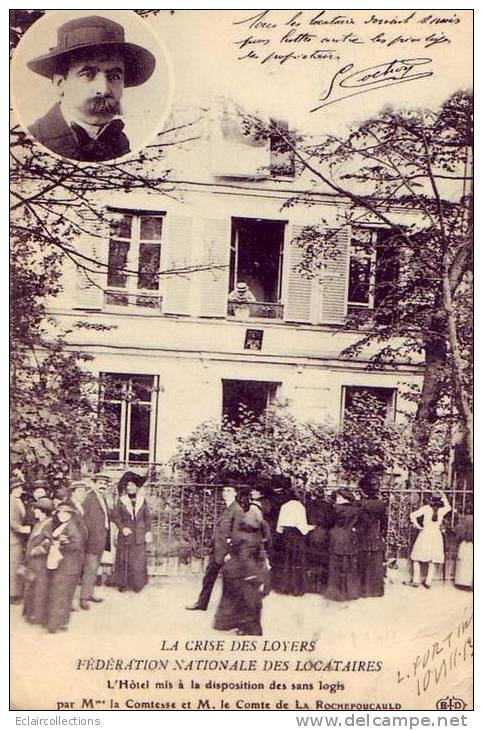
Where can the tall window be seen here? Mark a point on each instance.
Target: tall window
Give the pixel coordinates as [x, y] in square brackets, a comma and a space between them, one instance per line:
[134, 259]
[257, 261]
[130, 404]
[374, 266]
[249, 395]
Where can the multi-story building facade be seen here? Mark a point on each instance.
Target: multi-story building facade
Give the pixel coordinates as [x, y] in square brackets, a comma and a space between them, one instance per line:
[181, 348]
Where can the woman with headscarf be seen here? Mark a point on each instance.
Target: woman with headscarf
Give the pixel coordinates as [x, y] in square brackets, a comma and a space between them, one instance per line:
[36, 573]
[428, 546]
[372, 531]
[18, 533]
[132, 517]
[344, 580]
[464, 560]
[64, 563]
[245, 574]
[292, 527]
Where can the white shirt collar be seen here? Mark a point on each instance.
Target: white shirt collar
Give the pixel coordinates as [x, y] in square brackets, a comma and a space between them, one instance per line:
[92, 130]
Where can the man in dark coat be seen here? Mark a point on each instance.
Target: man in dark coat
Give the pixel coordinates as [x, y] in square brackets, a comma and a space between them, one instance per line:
[97, 518]
[221, 542]
[89, 69]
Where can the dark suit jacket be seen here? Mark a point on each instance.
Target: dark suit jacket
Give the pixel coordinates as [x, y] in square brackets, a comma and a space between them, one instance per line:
[97, 534]
[54, 133]
[224, 529]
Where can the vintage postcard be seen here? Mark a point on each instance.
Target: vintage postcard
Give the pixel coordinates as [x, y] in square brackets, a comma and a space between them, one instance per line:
[241, 360]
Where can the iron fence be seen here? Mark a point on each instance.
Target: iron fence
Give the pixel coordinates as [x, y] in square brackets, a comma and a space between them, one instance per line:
[185, 513]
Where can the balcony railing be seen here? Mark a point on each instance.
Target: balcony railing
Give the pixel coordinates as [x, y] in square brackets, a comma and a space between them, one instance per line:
[127, 299]
[246, 310]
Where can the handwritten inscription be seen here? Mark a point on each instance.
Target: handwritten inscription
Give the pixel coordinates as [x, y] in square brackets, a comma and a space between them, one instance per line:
[440, 658]
[373, 77]
[277, 37]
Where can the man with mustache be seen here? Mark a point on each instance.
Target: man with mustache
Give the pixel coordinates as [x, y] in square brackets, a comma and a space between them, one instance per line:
[89, 68]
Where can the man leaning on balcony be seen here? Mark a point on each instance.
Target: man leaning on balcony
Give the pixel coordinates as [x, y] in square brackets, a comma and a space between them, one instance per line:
[241, 297]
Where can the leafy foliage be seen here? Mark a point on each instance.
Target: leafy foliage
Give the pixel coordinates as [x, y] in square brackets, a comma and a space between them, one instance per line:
[56, 203]
[313, 455]
[409, 171]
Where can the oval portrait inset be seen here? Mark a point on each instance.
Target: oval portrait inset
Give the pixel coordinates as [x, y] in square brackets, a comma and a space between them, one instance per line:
[91, 86]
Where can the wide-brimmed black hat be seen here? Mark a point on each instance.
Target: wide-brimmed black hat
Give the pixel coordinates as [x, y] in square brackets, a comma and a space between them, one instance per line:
[130, 477]
[99, 34]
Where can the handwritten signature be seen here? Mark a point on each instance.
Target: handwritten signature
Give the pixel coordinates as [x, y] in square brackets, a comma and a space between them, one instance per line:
[371, 78]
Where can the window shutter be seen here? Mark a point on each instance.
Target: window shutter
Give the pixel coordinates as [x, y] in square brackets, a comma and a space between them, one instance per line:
[176, 256]
[300, 287]
[216, 254]
[333, 302]
[91, 275]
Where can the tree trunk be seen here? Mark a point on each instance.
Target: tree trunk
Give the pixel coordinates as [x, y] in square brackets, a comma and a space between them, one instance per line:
[434, 371]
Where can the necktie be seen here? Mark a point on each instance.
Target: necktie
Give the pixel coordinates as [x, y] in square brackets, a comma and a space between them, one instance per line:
[109, 144]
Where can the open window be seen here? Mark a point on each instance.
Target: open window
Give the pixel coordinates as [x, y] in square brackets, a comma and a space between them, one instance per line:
[134, 259]
[373, 271]
[243, 395]
[129, 403]
[256, 263]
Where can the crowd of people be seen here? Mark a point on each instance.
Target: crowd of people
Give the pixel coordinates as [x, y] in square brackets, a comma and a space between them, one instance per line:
[330, 544]
[334, 546]
[58, 539]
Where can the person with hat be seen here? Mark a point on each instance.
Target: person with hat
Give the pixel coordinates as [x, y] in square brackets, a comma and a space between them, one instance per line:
[36, 573]
[97, 518]
[343, 582]
[78, 490]
[63, 563]
[132, 517]
[372, 531]
[245, 572]
[18, 532]
[38, 489]
[428, 546]
[90, 67]
[241, 296]
[221, 543]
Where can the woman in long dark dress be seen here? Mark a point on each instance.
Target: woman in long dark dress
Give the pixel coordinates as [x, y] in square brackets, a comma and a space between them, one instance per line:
[244, 573]
[320, 513]
[292, 528]
[63, 562]
[344, 582]
[36, 573]
[132, 517]
[372, 531]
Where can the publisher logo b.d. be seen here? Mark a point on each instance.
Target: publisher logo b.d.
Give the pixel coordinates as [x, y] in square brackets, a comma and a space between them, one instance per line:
[450, 703]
